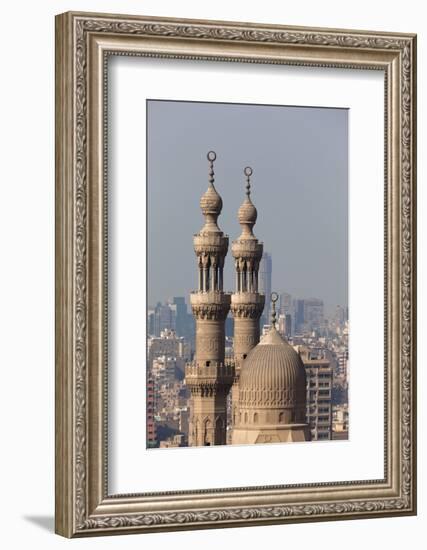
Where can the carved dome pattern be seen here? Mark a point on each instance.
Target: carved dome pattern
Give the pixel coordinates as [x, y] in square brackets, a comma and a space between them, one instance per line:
[272, 376]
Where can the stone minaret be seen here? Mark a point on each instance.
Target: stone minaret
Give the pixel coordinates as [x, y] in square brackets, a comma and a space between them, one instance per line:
[208, 377]
[247, 303]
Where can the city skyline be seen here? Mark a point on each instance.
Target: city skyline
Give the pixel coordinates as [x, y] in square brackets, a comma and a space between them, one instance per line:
[170, 300]
[309, 253]
[211, 382]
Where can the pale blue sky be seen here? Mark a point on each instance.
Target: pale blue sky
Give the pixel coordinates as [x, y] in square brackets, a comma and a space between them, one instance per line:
[299, 156]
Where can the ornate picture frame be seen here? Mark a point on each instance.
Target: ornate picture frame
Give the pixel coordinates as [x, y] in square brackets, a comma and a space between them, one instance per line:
[83, 43]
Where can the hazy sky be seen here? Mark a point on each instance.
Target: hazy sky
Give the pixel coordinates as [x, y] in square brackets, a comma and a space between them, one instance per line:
[299, 185]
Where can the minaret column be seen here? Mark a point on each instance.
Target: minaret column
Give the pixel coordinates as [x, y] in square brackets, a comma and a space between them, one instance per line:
[209, 377]
[246, 302]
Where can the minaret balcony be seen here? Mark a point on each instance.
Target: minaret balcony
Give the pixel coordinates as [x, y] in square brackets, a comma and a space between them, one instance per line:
[217, 297]
[247, 249]
[247, 298]
[210, 243]
[209, 372]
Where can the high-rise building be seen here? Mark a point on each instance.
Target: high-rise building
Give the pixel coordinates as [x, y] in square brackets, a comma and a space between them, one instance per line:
[340, 315]
[313, 313]
[319, 375]
[288, 325]
[151, 425]
[309, 314]
[150, 322]
[162, 317]
[298, 315]
[247, 303]
[265, 271]
[285, 325]
[184, 320]
[285, 304]
[342, 359]
[208, 377]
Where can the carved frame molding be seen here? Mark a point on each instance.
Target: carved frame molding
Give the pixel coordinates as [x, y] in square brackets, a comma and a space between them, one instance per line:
[83, 43]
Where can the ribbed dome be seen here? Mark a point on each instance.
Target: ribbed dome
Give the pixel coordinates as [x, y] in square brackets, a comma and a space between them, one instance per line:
[273, 375]
[247, 212]
[211, 202]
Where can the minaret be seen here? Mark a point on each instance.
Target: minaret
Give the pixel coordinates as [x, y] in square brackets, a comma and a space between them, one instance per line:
[247, 303]
[272, 392]
[208, 377]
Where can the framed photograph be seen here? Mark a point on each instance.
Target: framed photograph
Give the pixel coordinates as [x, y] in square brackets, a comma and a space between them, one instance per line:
[235, 274]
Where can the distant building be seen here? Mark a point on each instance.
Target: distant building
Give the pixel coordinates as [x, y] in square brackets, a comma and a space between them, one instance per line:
[309, 314]
[285, 303]
[165, 370]
[314, 313]
[342, 358]
[285, 325]
[281, 322]
[341, 315]
[151, 425]
[299, 314]
[184, 321]
[288, 325]
[340, 421]
[319, 392]
[162, 317]
[177, 440]
[265, 271]
[170, 345]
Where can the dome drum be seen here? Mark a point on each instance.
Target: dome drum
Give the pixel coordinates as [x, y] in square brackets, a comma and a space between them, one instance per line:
[287, 398]
[269, 419]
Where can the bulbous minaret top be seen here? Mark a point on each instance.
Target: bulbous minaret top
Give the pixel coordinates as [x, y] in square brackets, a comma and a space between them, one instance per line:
[246, 249]
[210, 243]
[211, 202]
[247, 214]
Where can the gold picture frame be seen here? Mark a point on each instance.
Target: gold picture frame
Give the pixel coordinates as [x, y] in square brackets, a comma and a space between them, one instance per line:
[83, 43]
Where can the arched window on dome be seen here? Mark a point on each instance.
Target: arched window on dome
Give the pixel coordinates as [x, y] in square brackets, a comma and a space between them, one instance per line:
[246, 418]
[281, 417]
[255, 418]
